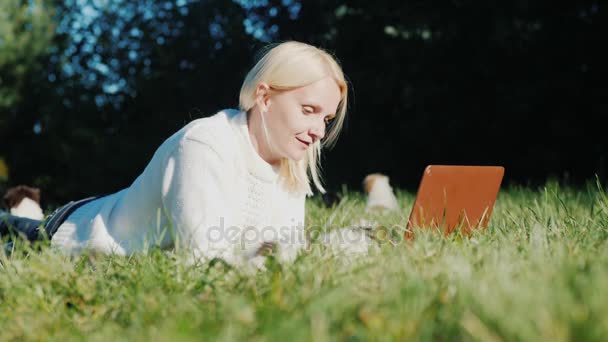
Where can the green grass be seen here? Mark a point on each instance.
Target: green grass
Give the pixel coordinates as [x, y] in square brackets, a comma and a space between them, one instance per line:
[539, 272]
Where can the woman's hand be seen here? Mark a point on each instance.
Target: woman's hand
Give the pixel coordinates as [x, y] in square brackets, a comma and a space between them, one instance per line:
[267, 248]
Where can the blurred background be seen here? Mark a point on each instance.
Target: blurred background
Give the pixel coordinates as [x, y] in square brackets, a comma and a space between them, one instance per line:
[90, 88]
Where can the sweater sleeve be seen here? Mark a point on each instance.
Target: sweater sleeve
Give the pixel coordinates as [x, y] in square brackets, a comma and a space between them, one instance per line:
[198, 203]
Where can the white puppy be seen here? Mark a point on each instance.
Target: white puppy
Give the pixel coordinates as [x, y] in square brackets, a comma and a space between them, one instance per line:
[24, 201]
[380, 195]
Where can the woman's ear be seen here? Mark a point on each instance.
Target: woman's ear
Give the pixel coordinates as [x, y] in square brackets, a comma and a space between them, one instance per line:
[262, 96]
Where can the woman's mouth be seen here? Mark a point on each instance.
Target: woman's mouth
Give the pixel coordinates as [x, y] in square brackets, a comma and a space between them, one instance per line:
[304, 143]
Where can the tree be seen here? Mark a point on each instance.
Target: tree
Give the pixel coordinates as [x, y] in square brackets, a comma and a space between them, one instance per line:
[123, 77]
[26, 33]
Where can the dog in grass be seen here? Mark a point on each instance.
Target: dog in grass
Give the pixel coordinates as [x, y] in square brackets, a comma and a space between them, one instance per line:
[380, 195]
[23, 201]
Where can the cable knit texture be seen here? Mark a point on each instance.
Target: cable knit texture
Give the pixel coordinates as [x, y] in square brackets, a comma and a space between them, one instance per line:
[207, 190]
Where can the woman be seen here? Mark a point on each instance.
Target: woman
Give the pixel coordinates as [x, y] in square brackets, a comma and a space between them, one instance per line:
[230, 185]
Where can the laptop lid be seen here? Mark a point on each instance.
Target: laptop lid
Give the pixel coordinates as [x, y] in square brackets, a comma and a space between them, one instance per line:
[450, 196]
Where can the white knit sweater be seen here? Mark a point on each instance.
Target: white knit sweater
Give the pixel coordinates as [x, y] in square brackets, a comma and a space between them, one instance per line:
[206, 189]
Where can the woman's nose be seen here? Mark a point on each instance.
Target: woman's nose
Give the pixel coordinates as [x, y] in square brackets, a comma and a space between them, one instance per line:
[317, 131]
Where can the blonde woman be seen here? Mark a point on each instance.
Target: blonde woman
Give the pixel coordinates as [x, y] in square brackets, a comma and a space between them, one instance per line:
[230, 185]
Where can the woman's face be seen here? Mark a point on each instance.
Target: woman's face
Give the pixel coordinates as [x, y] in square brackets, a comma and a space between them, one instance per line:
[297, 118]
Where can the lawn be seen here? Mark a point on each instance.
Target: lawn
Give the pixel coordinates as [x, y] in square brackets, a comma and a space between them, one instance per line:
[538, 272]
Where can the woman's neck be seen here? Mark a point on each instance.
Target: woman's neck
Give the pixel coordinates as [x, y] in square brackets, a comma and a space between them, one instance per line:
[258, 138]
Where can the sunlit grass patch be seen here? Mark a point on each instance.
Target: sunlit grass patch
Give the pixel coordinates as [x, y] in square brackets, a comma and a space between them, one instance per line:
[538, 272]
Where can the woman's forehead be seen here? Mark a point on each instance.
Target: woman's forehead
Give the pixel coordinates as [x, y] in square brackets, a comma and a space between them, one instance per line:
[324, 93]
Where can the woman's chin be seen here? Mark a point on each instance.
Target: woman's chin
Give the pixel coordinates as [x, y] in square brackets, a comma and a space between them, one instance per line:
[297, 156]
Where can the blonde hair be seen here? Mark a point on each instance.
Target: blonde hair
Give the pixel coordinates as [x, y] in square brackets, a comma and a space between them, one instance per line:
[290, 65]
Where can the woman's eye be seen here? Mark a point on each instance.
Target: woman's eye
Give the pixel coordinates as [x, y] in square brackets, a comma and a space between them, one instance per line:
[307, 110]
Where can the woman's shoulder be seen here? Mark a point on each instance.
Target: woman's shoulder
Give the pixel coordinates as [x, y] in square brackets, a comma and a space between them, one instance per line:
[215, 131]
[213, 126]
[212, 132]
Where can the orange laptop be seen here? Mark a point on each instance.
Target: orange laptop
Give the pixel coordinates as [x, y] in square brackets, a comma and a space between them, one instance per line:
[451, 196]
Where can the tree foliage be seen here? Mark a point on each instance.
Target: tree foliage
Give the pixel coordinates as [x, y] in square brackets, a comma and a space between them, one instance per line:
[26, 34]
[518, 84]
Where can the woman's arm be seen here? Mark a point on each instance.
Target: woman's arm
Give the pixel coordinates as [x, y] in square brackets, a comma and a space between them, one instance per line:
[198, 195]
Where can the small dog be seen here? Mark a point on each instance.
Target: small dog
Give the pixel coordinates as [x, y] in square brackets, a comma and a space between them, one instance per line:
[380, 195]
[24, 201]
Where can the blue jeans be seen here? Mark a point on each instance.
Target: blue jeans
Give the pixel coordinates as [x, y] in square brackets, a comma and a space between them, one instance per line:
[34, 230]
[15, 225]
